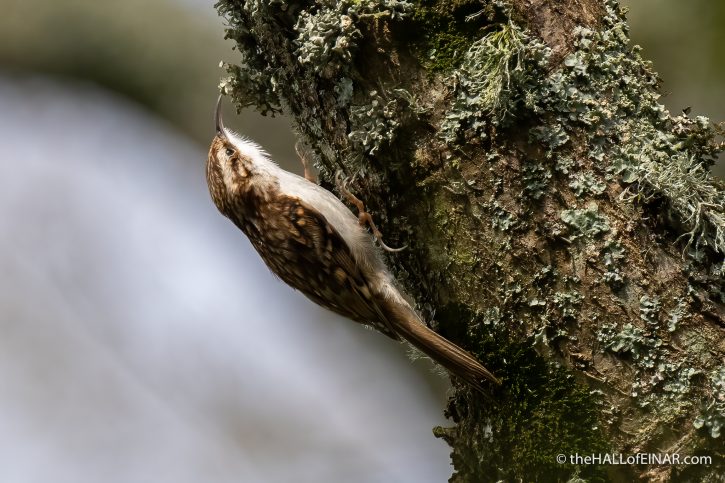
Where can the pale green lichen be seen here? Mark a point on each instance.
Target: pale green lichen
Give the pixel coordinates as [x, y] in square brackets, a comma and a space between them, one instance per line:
[677, 315]
[252, 81]
[568, 303]
[553, 136]
[490, 81]
[612, 254]
[564, 164]
[328, 36]
[629, 340]
[649, 309]
[502, 220]
[251, 86]
[373, 124]
[652, 358]
[586, 222]
[606, 85]
[712, 417]
[690, 190]
[587, 184]
[535, 180]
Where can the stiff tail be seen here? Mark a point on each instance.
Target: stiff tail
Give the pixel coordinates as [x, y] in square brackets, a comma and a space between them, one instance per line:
[443, 351]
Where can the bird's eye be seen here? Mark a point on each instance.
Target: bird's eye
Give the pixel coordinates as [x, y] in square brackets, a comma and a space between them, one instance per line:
[230, 152]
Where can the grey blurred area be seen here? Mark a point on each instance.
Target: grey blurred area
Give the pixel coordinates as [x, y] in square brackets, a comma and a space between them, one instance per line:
[141, 337]
[144, 340]
[686, 43]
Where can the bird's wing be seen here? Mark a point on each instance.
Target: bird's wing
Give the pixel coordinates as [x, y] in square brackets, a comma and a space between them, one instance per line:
[319, 263]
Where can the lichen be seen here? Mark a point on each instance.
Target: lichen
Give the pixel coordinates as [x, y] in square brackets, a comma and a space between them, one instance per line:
[553, 136]
[649, 309]
[328, 36]
[629, 340]
[568, 303]
[253, 81]
[712, 416]
[374, 124]
[605, 86]
[677, 315]
[491, 80]
[535, 180]
[612, 254]
[587, 184]
[502, 220]
[586, 222]
[651, 357]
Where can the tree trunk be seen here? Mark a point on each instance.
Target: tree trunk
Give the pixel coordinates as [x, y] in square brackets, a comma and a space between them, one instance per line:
[561, 224]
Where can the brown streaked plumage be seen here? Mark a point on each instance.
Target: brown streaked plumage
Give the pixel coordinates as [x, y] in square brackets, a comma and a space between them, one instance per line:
[314, 243]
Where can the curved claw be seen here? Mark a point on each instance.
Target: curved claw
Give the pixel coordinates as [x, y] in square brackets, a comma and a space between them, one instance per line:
[388, 249]
[364, 218]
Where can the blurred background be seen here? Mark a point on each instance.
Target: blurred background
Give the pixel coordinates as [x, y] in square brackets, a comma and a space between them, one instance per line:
[141, 338]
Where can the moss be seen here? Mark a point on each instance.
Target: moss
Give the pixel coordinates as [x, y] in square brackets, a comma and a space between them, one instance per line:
[547, 412]
[443, 34]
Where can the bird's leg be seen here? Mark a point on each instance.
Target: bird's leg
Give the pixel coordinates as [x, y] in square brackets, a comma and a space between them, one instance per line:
[309, 174]
[364, 218]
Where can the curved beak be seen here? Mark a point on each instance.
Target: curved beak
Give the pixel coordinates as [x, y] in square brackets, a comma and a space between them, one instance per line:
[218, 118]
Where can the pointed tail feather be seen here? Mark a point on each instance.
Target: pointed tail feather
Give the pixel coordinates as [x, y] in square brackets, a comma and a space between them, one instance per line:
[443, 351]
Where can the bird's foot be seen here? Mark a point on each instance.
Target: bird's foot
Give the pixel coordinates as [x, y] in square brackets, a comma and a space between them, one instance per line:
[364, 218]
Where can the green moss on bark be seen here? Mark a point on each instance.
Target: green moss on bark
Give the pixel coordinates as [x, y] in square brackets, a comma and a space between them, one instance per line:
[542, 195]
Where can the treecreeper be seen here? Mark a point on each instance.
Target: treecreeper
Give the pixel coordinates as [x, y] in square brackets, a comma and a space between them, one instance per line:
[314, 243]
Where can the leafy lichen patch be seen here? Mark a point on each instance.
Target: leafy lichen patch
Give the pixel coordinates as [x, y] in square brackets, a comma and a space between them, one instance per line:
[712, 415]
[606, 85]
[586, 222]
[490, 82]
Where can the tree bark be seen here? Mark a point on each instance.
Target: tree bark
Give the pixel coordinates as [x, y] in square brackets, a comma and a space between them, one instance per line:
[561, 224]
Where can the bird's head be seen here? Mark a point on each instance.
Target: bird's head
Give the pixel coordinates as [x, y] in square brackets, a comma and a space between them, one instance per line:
[233, 164]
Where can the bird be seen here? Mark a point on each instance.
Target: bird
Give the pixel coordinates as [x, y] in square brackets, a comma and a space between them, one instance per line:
[314, 243]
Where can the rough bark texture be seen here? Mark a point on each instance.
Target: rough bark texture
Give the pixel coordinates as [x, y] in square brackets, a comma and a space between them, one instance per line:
[562, 224]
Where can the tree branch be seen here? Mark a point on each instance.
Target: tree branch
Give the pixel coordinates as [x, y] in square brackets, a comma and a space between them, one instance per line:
[561, 223]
